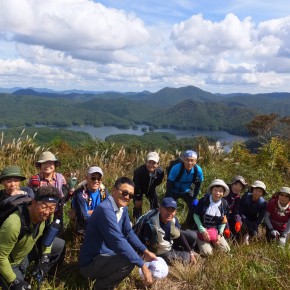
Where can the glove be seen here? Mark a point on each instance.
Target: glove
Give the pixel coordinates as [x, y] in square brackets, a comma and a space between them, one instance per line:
[41, 268]
[19, 285]
[282, 240]
[227, 233]
[274, 233]
[238, 226]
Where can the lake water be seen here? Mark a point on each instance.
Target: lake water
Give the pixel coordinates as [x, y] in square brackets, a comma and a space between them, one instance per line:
[103, 132]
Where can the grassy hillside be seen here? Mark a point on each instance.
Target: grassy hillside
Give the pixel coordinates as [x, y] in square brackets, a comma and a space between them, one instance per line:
[259, 266]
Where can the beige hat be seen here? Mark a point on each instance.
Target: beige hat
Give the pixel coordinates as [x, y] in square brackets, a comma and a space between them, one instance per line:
[47, 156]
[153, 156]
[219, 182]
[239, 178]
[284, 190]
[259, 184]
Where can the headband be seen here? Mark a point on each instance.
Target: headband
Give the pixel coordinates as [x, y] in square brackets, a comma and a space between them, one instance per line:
[47, 198]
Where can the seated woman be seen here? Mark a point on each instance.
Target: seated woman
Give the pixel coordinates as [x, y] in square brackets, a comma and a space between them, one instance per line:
[277, 217]
[210, 217]
[252, 210]
[237, 185]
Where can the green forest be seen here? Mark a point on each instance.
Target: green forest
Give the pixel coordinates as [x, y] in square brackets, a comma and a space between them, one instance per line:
[182, 108]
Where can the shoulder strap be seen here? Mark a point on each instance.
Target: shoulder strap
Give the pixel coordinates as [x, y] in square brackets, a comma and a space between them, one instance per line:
[25, 221]
[194, 174]
[181, 171]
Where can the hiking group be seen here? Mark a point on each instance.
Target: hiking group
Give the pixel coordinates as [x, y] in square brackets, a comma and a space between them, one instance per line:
[31, 220]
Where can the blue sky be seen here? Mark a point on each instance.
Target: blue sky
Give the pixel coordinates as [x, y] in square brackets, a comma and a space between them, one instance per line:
[220, 46]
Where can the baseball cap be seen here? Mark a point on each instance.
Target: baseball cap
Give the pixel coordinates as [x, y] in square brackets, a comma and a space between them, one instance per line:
[169, 202]
[158, 268]
[153, 156]
[95, 169]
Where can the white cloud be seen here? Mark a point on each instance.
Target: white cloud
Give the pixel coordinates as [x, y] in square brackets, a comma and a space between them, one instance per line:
[84, 44]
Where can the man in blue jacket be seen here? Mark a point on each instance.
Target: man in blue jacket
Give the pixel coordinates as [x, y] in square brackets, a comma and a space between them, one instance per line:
[184, 181]
[109, 251]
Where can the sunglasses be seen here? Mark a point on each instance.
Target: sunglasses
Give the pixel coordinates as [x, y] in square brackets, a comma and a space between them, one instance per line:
[126, 193]
[94, 178]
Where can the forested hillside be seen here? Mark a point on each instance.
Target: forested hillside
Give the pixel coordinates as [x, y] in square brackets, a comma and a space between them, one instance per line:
[181, 108]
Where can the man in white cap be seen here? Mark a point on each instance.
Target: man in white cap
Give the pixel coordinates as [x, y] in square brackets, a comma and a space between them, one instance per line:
[88, 197]
[146, 178]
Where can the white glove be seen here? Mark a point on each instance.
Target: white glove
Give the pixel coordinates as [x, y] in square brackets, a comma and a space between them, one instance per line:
[282, 241]
[274, 233]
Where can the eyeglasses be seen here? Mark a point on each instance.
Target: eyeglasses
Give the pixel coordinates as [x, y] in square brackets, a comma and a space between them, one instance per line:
[94, 178]
[126, 193]
[44, 207]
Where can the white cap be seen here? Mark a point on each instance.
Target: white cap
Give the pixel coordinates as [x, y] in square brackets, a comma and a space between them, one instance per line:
[95, 169]
[158, 268]
[153, 156]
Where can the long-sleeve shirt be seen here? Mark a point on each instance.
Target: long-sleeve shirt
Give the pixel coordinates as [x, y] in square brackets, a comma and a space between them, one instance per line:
[252, 211]
[145, 182]
[184, 183]
[12, 250]
[106, 235]
[276, 218]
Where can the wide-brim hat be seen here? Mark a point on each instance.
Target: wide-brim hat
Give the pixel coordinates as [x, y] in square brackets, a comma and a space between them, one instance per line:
[219, 182]
[239, 178]
[11, 171]
[259, 184]
[47, 156]
[284, 189]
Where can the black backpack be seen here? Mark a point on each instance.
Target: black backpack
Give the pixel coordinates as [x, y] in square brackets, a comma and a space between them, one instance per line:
[181, 171]
[140, 225]
[13, 203]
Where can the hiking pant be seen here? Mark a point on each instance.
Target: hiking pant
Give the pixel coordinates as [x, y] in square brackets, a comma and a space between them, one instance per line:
[56, 257]
[189, 202]
[153, 200]
[206, 248]
[178, 252]
[108, 271]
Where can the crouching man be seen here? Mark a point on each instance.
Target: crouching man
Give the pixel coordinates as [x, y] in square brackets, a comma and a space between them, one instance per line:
[163, 236]
[20, 240]
[109, 251]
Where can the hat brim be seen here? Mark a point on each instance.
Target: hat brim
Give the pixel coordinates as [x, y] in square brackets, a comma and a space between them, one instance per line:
[39, 162]
[264, 191]
[9, 176]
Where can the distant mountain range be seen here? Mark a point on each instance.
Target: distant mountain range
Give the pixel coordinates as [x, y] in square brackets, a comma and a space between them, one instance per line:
[181, 108]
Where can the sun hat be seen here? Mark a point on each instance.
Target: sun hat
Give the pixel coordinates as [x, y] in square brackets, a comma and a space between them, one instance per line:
[189, 153]
[259, 184]
[11, 171]
[284, 189]
[239, 178]
[95, 169]
[153, 156]
[219, 182]
[169, 202]
[213, 235]
[158, 268]
[47, 156]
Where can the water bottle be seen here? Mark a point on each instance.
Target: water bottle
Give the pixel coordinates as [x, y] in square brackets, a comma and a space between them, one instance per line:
[51, 233]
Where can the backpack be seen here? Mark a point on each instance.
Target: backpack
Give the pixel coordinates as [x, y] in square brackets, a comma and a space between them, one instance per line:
[139, 226]
[63, 188]
[72, 211]
[13, 203]
[181, 171]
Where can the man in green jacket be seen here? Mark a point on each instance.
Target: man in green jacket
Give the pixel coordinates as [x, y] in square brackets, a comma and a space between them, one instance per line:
[18, 249]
